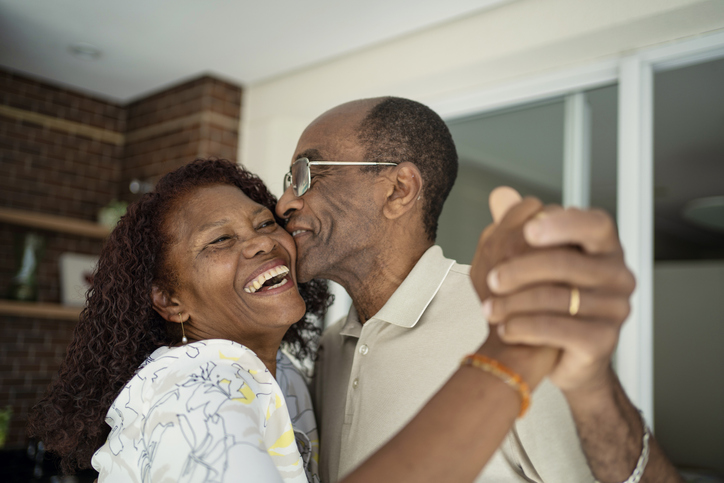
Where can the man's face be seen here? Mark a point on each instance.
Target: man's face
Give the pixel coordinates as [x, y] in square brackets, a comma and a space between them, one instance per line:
[333, 223]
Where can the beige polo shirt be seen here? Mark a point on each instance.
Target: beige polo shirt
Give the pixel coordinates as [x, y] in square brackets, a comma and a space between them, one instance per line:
[372, 379]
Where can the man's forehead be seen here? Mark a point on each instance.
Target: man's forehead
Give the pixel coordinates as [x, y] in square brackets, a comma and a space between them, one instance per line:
[328, 144]
[333, 134]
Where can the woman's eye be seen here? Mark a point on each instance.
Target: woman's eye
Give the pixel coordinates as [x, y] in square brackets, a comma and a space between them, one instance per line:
[267, 224]
[220, 239]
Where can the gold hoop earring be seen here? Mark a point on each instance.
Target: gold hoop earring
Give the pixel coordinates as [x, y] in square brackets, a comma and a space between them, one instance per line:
[184, 340]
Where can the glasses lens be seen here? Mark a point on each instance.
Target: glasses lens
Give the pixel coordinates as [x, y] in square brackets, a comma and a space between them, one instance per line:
[287, 180]
[300, 176]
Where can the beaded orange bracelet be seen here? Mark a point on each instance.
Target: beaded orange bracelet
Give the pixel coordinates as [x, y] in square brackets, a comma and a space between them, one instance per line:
[505, 374]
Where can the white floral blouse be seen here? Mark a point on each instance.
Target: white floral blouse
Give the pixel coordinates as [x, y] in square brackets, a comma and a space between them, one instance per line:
[208, 412]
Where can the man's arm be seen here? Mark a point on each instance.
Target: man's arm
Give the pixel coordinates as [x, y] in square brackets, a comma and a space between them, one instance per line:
[611, 433]
[559, 280]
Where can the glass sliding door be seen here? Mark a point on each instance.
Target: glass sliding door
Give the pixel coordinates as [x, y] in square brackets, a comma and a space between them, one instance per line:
[689, 264]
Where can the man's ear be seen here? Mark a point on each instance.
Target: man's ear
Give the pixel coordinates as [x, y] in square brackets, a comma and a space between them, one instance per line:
[167, 307]
[405, 190]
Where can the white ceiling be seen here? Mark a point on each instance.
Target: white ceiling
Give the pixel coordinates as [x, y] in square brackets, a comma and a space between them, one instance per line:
[150, 44]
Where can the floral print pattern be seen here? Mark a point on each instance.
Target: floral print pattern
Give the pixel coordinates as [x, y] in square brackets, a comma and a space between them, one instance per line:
[210, 412]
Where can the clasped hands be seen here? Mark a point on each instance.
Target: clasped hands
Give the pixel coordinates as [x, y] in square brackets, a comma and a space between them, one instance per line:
[555, 290]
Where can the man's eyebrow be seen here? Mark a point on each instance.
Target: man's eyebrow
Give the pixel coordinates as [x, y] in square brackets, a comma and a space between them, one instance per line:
[310, 154]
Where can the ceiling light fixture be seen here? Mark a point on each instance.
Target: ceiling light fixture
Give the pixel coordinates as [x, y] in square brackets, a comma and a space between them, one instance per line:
[707, 212]
[85, 52]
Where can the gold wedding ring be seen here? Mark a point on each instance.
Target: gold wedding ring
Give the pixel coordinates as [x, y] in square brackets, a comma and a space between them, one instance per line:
[575, 301]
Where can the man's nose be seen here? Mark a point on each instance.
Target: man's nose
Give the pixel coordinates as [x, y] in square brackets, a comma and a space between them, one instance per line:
[288, 204]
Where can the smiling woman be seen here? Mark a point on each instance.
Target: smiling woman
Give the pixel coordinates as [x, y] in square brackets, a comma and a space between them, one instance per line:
[177, 265]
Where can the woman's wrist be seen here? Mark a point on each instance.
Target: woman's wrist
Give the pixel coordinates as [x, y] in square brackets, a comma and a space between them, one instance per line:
[531, 363]
[511, 378]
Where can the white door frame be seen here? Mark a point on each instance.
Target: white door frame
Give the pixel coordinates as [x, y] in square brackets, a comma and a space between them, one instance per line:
[634, 75]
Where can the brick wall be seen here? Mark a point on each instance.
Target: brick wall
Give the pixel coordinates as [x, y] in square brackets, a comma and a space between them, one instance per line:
[198, 119]
[69, 154]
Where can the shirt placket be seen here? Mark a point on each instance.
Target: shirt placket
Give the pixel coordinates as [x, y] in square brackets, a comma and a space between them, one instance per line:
[355, 387]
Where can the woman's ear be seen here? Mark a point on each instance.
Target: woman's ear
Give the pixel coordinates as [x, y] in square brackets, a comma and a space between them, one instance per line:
[167, 307]
[405, 190]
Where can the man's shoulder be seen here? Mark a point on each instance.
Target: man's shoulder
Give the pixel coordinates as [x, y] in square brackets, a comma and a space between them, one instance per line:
[458, 287]
[460, 269]
[455, 272]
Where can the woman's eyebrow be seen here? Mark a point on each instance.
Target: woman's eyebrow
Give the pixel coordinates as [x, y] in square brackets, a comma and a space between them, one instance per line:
[224, 221]
[260, 210]
[212, 224]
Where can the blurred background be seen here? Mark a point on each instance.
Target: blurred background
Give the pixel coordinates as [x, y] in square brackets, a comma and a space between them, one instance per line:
[609, 103]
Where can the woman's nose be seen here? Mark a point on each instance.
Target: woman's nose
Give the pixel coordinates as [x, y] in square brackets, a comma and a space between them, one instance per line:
[288, 204]
[258, 245]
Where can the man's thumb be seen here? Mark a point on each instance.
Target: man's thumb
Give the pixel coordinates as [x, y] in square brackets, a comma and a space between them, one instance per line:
[501, 200]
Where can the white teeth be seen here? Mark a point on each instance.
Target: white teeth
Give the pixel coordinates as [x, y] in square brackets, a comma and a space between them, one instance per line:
[297, 232]
[284, 280]
[256, 284]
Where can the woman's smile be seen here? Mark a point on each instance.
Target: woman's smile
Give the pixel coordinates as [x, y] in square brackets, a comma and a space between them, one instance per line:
[270, 279]
[235, 268]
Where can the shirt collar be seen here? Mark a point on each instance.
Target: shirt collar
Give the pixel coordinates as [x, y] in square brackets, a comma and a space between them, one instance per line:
[409, 301]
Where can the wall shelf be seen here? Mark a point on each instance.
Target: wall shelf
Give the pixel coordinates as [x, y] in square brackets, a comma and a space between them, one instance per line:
[37, 309]
[60, 224]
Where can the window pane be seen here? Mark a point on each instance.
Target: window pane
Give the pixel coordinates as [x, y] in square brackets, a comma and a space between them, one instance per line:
[521, 148]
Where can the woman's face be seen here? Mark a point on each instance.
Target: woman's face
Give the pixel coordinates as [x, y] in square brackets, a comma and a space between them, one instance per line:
[234, 268]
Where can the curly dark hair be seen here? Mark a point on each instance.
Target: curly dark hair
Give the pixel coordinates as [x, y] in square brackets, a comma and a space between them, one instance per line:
[118, 328]
[397, 130]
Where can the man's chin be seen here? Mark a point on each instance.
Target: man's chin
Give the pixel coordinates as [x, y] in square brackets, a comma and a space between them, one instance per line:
[302, 273]
[307, 271]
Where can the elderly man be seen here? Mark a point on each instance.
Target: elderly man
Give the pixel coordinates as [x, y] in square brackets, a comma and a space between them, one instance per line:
[362, 200]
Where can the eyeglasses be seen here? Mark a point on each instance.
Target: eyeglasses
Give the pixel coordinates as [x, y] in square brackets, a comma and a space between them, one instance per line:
[299, 177]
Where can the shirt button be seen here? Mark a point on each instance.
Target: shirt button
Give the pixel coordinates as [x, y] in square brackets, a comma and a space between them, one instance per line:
[355, 383]
[364, 349]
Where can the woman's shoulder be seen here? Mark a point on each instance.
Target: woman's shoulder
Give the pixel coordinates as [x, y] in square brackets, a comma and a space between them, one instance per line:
[215, 362]
[289, 375]
[216, 351]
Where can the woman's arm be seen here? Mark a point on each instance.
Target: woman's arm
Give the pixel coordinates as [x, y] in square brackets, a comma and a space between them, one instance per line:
[459, 429]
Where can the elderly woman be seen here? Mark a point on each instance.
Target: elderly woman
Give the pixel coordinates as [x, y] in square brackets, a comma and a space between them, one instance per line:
[178, 351]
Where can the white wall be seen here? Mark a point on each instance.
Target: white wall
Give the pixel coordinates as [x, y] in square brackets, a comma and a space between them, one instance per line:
[519, 40]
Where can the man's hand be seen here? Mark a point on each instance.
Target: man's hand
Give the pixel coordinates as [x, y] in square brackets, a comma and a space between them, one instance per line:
[556, 278]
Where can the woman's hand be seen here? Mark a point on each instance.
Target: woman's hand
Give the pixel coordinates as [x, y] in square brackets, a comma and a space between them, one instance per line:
[499, 242]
